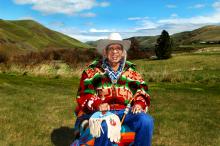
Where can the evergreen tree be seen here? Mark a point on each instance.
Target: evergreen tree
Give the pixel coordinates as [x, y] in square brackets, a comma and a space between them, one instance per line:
[163, 48]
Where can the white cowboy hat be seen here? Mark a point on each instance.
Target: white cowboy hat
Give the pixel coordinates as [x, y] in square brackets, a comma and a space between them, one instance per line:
[114, 38]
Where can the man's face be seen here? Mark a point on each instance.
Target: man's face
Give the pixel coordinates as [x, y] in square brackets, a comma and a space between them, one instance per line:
[114, 53]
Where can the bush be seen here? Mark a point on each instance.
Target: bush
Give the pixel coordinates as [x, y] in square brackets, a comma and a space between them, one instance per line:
[70, 56]
[135, 52]
[3, 58]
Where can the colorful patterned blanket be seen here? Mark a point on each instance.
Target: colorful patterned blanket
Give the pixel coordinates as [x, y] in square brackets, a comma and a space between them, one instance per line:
[86, 139]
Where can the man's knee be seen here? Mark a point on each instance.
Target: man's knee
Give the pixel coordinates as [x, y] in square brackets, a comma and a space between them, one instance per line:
[145, 120]
[104, 126]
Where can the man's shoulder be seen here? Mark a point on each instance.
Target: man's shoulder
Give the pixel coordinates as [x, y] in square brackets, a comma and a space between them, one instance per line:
[131, 65]
[93, 67]
[94, 64]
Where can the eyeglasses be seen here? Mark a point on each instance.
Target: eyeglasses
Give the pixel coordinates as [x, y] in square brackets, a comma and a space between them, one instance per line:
[114, 49]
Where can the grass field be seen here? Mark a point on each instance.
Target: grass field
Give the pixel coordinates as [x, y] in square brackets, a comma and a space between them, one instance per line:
[185, 103]
[32, 107]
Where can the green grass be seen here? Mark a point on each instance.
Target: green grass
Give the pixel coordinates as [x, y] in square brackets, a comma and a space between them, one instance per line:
[185, 101]
[186, 114]
[32, 107]
[194, 67]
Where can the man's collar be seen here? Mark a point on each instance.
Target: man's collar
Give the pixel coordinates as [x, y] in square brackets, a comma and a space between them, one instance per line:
[98, 63]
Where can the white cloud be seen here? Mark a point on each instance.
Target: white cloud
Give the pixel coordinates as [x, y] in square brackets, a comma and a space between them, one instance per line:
[134, 18]
[100, 30]
[147, 24]
[174, 28]
[94, 34]
[143, 23]
[104, 4]
[216, 5]
[171, 6]
[212, 19]
[174, 15]
[89, 14]
[197, 6]
[84, 36]
[69, 7]
[137, 18]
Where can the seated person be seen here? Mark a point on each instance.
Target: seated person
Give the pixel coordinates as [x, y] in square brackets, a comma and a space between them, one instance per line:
[109, 84]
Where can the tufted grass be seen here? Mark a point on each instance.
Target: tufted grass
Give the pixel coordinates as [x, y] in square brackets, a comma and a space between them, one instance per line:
[191, 67]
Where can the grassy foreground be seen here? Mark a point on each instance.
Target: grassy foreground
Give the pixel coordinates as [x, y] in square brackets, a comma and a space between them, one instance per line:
[30, 108]
[185, 103]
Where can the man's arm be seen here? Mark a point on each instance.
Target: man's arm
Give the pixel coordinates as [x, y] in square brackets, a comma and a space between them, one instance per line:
[87, 98]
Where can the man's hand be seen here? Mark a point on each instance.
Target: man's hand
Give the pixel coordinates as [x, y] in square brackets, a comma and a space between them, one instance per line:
[136, 109]
[104, 107]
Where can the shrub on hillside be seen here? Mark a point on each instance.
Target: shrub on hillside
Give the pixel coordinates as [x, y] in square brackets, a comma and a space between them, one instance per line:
[135, 52]
[3, 58]
[26, 59]
[70, 56]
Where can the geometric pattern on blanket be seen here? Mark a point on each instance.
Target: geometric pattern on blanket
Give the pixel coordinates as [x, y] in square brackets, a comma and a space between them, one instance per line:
[86, 139]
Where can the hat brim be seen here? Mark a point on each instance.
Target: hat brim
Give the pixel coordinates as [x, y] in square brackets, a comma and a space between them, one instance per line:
[102, 44]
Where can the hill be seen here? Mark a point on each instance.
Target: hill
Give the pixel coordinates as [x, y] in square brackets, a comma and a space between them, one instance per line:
[144, 41]
[28, 35]
[202, 36]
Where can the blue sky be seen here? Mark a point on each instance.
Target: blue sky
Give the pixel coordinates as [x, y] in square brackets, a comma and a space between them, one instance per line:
[94, 19]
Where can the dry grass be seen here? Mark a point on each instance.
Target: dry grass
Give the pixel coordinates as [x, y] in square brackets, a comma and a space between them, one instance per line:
[49, 69]
[196, 67]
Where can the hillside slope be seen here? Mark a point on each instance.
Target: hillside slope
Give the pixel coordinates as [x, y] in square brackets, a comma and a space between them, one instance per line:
[28, 35]
[203, 34]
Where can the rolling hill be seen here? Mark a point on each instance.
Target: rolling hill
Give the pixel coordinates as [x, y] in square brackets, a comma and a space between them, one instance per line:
[194, 38]
[19, 36]
[209, 33]
[204, 34]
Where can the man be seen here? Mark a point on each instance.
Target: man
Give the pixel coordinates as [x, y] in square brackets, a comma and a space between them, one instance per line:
[110, 84]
